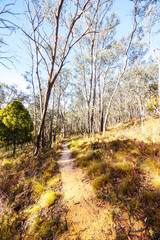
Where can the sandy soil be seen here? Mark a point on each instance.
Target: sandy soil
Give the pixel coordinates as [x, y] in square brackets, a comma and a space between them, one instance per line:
[86, 219]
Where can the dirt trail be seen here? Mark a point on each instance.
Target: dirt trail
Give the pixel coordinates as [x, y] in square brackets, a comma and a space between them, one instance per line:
[85, 219]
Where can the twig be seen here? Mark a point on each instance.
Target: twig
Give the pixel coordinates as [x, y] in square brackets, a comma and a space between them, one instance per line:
[90, 205]
[139, 230]
[78, 232]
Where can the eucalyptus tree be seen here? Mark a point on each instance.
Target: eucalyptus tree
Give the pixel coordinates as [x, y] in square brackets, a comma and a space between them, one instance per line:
[139, 11]
[136, 12]
[77, 112]
[82, 74]
[148, 15]
[151, 27]
[29, 77]
[52, 116]
[106, 27]
[66, 78]
[138, 79]
[60, 95]
[95, 45]
[57, 32]
[136, 91]
[91, 64]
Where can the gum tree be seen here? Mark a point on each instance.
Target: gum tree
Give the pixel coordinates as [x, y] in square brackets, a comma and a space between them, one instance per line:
[58, 27]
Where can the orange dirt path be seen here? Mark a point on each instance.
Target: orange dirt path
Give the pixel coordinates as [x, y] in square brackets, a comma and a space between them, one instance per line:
[86, 218]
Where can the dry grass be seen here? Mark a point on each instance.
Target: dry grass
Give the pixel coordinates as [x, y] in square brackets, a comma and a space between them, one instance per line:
[125, 170]
[31, 187]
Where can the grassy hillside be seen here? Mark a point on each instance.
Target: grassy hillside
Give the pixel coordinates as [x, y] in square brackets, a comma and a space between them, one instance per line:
[125, 170]
[30, 205]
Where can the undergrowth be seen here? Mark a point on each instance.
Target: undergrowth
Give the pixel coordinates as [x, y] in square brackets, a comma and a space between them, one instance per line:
[30, 195]
[125, 170]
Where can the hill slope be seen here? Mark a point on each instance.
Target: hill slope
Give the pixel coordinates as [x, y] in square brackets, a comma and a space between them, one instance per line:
[124, 168]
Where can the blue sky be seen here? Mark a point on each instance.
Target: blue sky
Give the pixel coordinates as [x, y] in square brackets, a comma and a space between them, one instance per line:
[121, 7]
[16, 49]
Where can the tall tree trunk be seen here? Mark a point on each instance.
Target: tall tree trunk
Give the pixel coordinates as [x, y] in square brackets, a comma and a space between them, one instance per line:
[63, 116]
[94, 93]
[41, 127]
[94, 53]
[63, 125]
[93, 105]
[51, 122]
[159, 83]
[140, 110]
[34, 98]
[14, 148]
[100, 98]
[40, 99]
[58, 110]
[91, 80]
[111, 99]
[88, 119]
[99, 104]
[101, 121]
[123, 71]
[87, 96]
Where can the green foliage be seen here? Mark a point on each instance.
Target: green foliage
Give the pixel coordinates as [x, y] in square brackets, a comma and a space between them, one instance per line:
[16, 125]
[4, 133]
[153, 103]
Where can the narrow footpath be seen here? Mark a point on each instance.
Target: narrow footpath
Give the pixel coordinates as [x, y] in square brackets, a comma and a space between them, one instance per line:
[86, 219]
